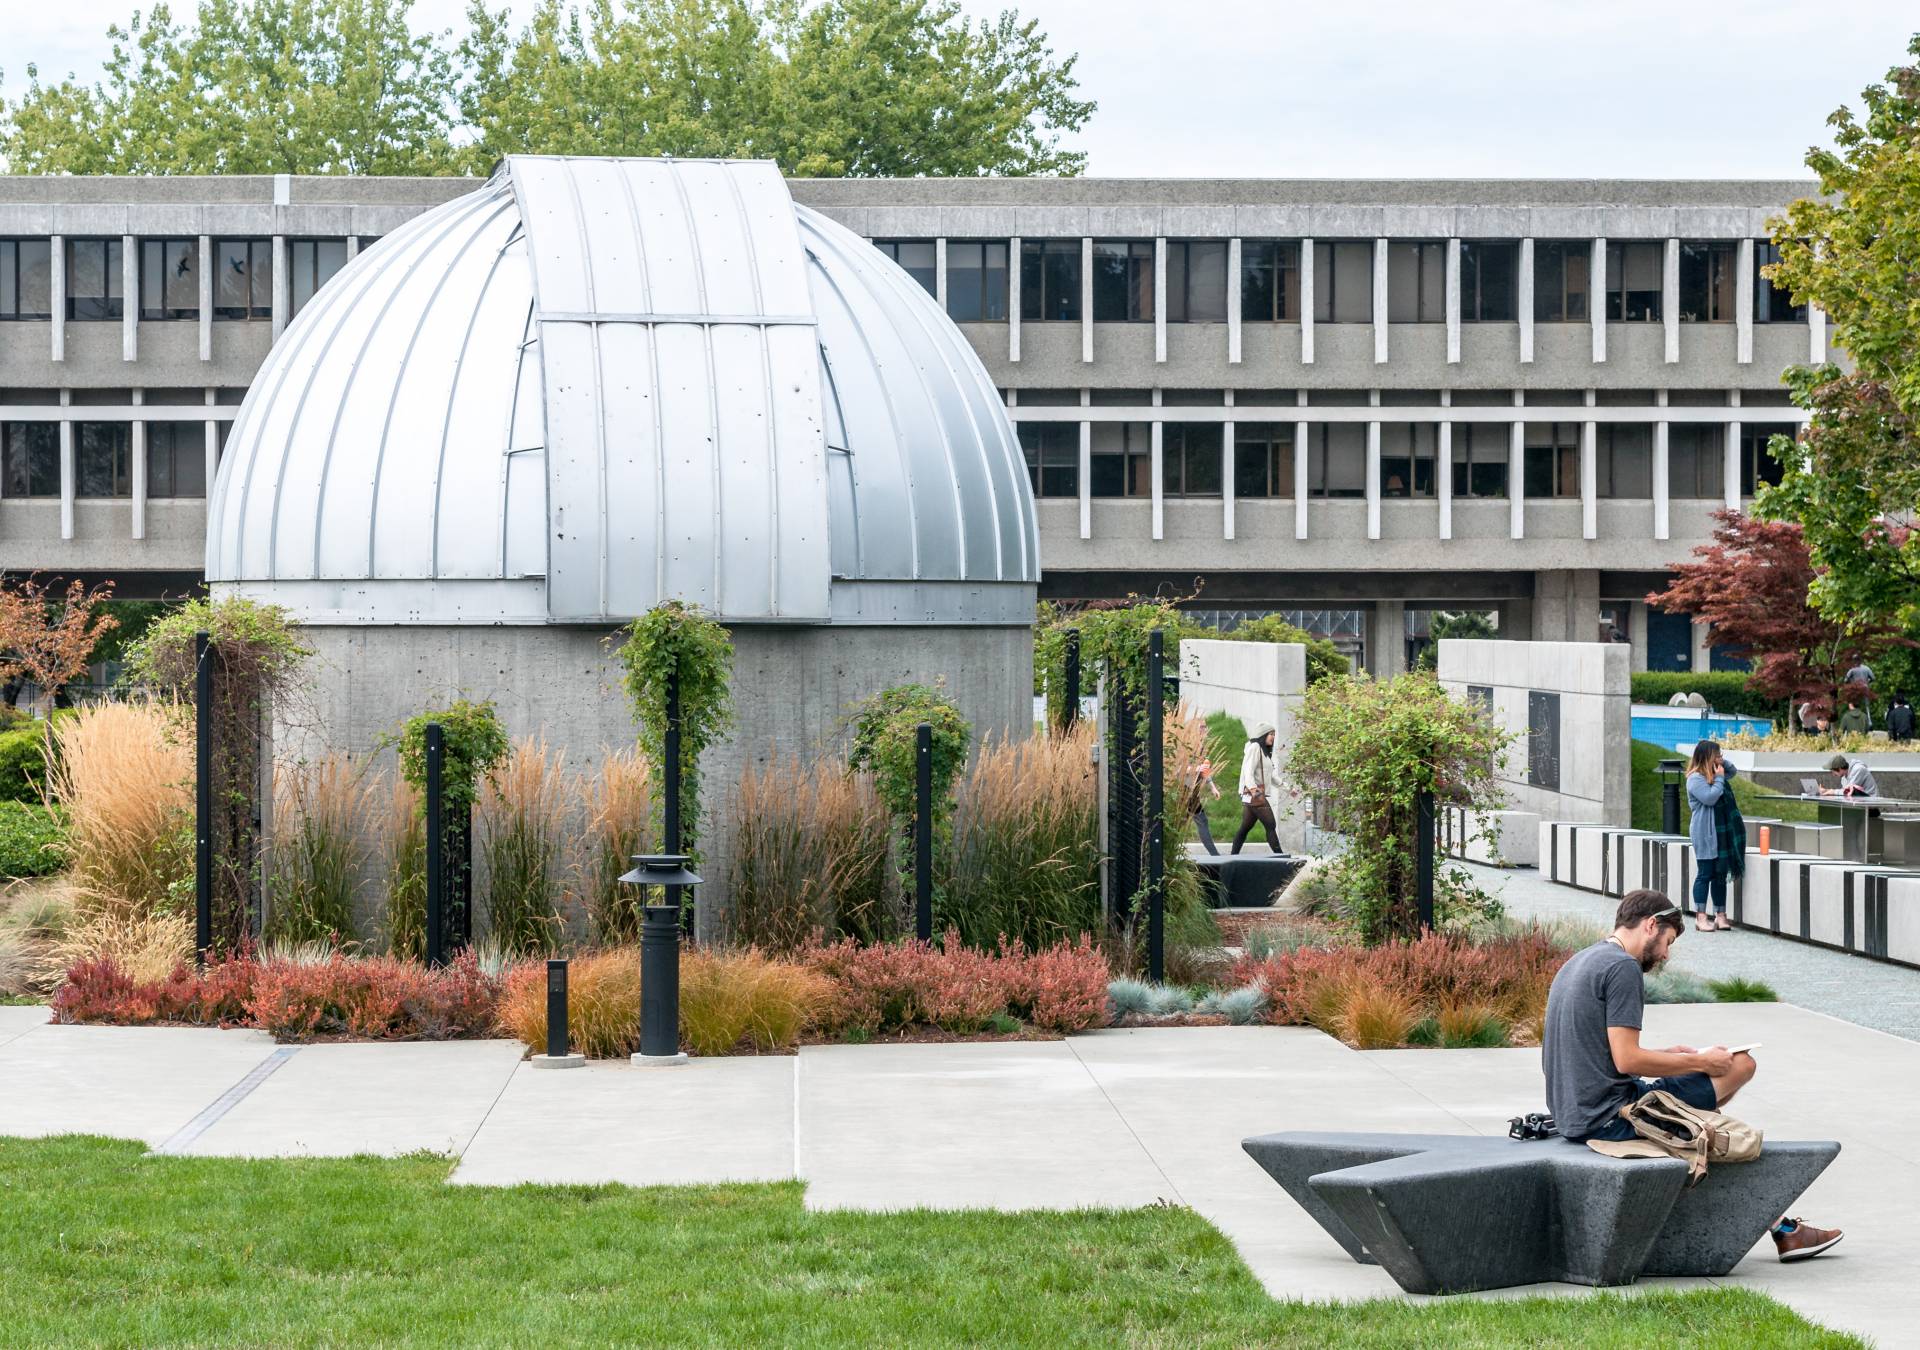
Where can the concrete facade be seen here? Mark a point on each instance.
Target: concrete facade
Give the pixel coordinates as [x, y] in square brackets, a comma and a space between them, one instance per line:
[1566, 704]
[1255, 682]
[1530, 397]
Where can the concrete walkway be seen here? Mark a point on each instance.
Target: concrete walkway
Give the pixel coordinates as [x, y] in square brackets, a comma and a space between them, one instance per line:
[1119, 1118]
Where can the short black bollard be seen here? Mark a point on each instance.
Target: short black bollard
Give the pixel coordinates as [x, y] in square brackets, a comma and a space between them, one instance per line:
[558, 1033]
[660, 959]
[436, 754]
[923, 832]
[1673, 772]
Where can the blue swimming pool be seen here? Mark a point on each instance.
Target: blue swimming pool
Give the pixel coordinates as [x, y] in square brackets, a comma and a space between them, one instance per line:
[1671, 728]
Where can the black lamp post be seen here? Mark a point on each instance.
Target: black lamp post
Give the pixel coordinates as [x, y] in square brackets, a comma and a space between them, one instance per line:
[660, 959]
[1673, 772]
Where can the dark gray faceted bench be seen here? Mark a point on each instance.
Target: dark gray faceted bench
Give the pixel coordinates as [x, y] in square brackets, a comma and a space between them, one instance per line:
[1447, 1214]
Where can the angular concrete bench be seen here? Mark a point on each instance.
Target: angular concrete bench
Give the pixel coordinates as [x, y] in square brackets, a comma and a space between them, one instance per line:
[1448, 1214]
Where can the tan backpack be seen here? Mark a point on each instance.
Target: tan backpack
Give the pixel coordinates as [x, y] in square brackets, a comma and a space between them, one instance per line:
[1668, 1128]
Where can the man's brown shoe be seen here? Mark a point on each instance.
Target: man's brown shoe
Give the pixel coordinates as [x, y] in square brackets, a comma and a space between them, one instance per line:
[1796, 1241]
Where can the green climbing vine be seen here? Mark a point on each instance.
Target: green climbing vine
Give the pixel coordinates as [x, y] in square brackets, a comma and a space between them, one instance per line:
[886, 736]
[669, 639]
[476, 745]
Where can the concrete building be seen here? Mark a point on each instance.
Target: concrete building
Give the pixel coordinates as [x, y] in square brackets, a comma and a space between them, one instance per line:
[1363, 403]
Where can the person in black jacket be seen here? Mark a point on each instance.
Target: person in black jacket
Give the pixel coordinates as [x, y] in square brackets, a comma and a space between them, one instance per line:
[1900, 719]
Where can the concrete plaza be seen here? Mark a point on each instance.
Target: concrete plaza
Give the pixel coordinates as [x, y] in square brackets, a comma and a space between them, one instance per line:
[1115, 1118]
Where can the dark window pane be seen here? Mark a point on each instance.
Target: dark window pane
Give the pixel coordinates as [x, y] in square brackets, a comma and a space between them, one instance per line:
[1625, 467]
[30, 459]
[1634, 282]
[1416, 283]
[102, 459]
[1121, 459]
[26, 279]
[1772, 305]
[916, 258]
[1053, 457]
[176, 459]
[1343, 282]
[976, 281]
[1487, 285]
[169, 279]
[1263, 460]
[311, 264]
[1050, 279]
[1190, 459]
[1205, 290]
[1707, 282]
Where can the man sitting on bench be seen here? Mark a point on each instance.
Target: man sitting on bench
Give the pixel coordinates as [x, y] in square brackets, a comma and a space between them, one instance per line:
[1595, 1064]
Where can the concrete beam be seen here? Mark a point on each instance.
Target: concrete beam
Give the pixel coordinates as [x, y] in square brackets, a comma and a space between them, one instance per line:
[1086, 301]
[1589, 477]
[1662, 500]
[1156, 467]
[1086, 471]
[1670, 300]
[282, 294]
[1443, 472]
[139, 474]
[940, 272]
[1013, 299]
[1730, 459]
[1159, 301]
[129, 298]
[1517, 478]
[1300, 475]
[57, 261]
[1226, 476]
[1373, 477]
[1743, 305]
[1306, 305]
[206, 297]
[1233, 302]
[68, 475]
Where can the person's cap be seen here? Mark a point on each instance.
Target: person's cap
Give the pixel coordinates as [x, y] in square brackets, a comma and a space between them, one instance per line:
[1264, 729]
[1838, 764]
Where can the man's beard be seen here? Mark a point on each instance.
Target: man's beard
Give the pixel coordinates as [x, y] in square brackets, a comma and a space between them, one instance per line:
[1650, 963]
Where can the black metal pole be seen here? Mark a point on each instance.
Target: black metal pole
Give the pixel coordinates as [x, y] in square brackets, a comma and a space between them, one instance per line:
[436, 842]
[672, 810]
[1156, 809]
[923, 832]
[202, 794]
[660, 981]
[1423, 829]
[557, 1037]
[1670, 775]
[1071, 713]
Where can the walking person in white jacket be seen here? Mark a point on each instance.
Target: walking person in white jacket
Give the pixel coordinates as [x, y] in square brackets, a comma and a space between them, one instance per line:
[1259, 785]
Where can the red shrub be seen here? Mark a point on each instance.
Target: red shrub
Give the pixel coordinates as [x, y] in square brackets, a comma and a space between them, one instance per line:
[1061, 988]
[899, 984]
[1509, 975]
[373, 998]
[95, 991]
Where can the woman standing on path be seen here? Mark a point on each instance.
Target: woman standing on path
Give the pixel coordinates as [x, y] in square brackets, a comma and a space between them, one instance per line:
[1259, 785]
[1717, 832]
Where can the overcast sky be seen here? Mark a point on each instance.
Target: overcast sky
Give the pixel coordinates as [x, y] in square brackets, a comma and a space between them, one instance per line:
[1365, 88]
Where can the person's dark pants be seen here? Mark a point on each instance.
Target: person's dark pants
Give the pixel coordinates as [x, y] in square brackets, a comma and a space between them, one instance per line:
[1710, 878]
[1260, 813]
[1695, 1089]
[1205, 827]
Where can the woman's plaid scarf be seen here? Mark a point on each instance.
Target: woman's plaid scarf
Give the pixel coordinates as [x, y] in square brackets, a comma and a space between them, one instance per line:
[1730, 833]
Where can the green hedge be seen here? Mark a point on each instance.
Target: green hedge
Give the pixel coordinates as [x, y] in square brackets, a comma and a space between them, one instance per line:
[29, 840]
[23, 763]
[1725, 690]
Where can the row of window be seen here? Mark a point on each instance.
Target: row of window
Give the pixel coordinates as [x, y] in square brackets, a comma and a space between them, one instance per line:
[1270, 283]
[1120, 462]
[168, 277]
[103, 459]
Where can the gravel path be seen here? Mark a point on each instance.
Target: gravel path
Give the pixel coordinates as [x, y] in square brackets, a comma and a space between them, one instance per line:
[1867, 993]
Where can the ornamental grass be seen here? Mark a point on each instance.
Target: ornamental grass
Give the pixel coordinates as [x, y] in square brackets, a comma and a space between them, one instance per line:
[125, 777]
[404, 864]
[619, 820]
[317, 851]
[730, 999]
[522, 813]
[809, 857]
[603, 1004]
[1024, 862]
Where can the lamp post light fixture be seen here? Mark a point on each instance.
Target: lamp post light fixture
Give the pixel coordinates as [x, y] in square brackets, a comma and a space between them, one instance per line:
[660, 959]
[1673, 772]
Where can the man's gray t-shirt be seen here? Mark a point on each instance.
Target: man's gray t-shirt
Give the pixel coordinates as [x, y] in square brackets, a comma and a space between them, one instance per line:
[1598, 988]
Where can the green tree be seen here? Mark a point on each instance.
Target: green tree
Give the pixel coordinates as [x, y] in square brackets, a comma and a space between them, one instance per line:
[1853, 479]
[251, 86]
[830, 89]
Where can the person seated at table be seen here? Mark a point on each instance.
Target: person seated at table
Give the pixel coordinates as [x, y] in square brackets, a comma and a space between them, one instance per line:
[1856, 779]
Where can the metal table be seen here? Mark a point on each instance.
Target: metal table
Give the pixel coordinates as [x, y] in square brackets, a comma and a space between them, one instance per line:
[1862, 834]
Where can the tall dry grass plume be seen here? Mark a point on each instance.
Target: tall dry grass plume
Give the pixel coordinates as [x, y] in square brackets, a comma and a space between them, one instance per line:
[404, 861]
[809, 855]
[317, 851]
[619, 824]
[125, 776]
[522, 816]
[145, 946]
[1025, 856]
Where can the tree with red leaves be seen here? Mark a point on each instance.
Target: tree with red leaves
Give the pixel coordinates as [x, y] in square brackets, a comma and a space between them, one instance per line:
[1751, 585]
[49, 639]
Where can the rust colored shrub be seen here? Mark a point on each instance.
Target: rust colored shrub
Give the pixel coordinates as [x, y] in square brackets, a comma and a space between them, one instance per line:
[1376, 1017]
[603, 1004]
[891, 985]
[1059, 988]
[375, 998]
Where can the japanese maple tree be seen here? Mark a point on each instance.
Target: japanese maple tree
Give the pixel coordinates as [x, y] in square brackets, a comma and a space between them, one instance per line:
[49, 638]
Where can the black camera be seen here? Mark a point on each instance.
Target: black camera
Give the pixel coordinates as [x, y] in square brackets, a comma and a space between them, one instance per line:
[1533, 1125]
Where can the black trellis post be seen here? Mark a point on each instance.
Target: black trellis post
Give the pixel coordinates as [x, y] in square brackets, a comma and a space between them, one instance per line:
[1156, 809]
[923, 832]
[436, 739]
[1070, 714]
[202, 794]
[1423, 829]
[671, 814]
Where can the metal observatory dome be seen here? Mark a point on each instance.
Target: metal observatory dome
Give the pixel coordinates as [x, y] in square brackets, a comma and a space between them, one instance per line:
[595, 384]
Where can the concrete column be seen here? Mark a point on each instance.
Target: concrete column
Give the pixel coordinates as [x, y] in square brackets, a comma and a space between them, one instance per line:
[1661, 502]
[1637, 633]
[1702, 648]
[139, 467]
[69, 479]
[1086, 470]
[1306, 305]
[212, 447]
[1156, 466]
[1233, 305]
[1525, 301]
[1453, 302]
[1443, 470]
[1013, 298]
[1300, 472]
[1517, 478]
[1159, 299]
[1086, 300]
[1373, 478]
[940, 273]
[57, 262]
[1743, 305]
[1583, 605]
[1816, 335]
[282, 294]
[1226, 471]
[1387, 639]
[353, 247]
[1379, 301]
[1597, 299]
[1589, 477]
[130, 298]
[1730, 459]
[1670, 300]
[206, 297]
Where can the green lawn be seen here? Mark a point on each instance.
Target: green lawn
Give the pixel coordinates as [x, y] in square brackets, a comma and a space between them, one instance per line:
[104, 1243]
[1754, 800]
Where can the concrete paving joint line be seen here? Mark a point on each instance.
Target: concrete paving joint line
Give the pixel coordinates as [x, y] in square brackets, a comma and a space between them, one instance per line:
[492, 1106]
[226, 1101]
[1121, 1116]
